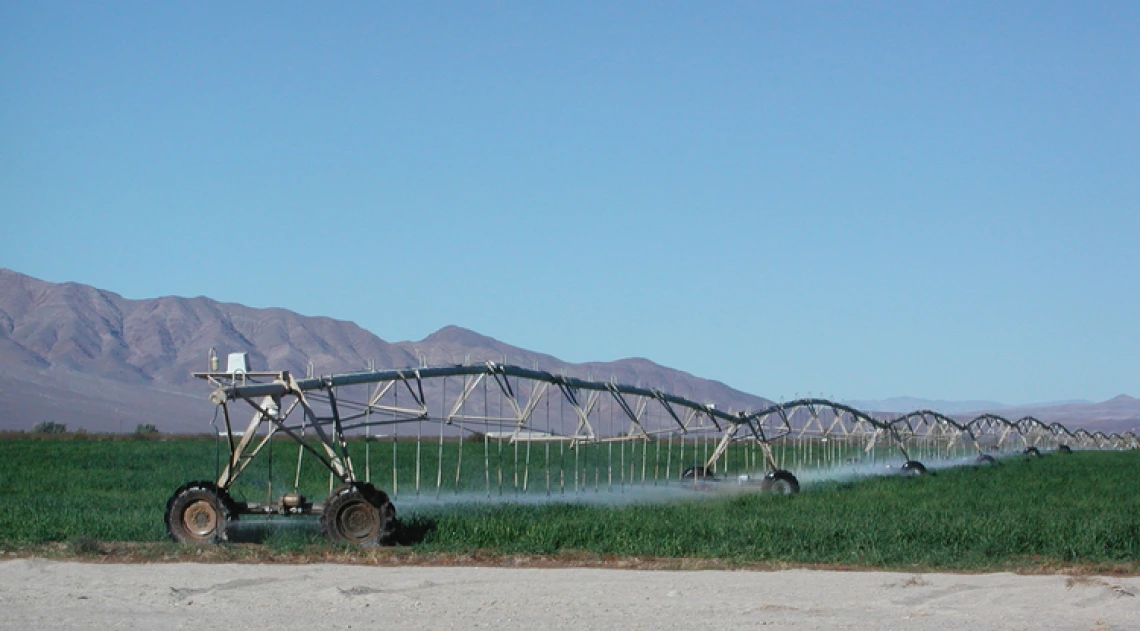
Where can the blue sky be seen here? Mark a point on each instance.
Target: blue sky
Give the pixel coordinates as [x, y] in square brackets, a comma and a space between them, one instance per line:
[859, 200]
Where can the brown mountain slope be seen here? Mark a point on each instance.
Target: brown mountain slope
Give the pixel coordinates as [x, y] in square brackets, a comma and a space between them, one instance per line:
[454, 345]
[100, 334]
[90, 358]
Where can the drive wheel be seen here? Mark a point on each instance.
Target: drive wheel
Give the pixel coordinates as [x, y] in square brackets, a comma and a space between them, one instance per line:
[696, 472]
[780, 482]
[198, 513]
[985, 459]
[358, 514]
[913, 467]
[1032, 451]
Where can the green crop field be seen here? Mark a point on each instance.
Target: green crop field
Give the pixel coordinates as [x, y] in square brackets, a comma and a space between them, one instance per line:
[1081, 509]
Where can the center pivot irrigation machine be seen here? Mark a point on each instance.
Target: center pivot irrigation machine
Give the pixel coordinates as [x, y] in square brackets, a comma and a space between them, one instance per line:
[496, 430]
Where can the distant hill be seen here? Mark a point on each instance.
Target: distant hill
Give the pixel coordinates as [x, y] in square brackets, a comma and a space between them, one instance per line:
[1120, 414]
[90, 358]
[909, 404]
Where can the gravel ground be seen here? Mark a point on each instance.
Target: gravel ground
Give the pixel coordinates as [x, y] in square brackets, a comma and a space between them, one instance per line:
[41, 594]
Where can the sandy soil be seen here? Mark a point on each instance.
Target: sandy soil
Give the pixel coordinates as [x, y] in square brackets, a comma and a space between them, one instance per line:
[41, 594]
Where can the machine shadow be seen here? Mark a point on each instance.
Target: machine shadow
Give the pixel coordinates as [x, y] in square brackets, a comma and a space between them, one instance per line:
[300, 532]
[413, 531]
[275, 530]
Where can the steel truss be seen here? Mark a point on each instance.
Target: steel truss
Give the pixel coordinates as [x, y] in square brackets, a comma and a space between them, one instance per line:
[522, 406]
[291, 406]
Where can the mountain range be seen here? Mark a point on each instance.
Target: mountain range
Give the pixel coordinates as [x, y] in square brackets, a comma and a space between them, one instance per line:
[87, 357]
[909, 404]
[75, 354]
[1119, 414]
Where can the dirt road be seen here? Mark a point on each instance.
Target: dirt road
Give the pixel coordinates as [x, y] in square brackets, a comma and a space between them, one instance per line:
[40, 594]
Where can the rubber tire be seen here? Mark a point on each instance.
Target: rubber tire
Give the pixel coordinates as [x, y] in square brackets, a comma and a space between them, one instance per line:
[1064, 449]
[696, 472]
[780, 482]
[1032, 451]
[913, 468]
[358, 514]
[203, 502]
[985, 459]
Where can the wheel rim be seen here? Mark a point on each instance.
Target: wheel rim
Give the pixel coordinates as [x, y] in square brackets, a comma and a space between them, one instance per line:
[200, 519]
[358, 521]
[782, 487]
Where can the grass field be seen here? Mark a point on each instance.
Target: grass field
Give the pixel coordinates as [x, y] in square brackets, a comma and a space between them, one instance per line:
[1078, 509]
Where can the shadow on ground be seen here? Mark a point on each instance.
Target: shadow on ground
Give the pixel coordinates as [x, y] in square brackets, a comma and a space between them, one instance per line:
[305, 531]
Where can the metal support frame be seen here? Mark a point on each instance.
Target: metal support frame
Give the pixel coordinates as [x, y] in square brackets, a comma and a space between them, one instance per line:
[648, 415]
